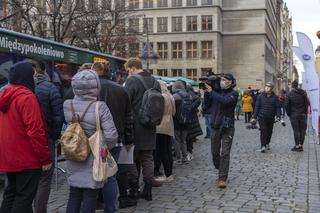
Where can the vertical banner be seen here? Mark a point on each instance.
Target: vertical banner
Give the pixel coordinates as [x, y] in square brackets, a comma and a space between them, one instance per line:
[305, 53]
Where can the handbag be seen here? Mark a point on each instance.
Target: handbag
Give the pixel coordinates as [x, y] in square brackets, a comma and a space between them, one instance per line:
[74, 142]
[104, 165]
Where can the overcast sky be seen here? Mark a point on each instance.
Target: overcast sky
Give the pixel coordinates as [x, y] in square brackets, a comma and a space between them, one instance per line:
[306, 18]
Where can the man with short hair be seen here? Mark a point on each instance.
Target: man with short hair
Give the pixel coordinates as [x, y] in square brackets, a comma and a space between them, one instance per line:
[144, 136]
[297, 109]
[267, 108]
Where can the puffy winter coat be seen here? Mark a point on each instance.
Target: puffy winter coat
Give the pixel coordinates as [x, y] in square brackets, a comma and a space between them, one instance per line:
[297, 103]
[167, 127]
[23, 134]
[247, 102]
[267, 106]
[86, 86]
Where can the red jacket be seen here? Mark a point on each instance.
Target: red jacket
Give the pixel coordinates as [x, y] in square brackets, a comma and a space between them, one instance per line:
[23, 134]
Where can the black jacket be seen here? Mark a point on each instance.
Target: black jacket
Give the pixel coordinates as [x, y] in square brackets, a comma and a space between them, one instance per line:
[221, 105]
[194, 130]
[267, 106]
[117, 100]
[144, 137]
[52, 106]
[297, 103]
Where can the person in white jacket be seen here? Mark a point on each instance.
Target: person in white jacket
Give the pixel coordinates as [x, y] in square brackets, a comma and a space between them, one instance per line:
[165, 132]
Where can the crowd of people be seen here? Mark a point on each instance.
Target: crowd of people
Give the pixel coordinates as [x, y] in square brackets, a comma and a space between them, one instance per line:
[33, 111]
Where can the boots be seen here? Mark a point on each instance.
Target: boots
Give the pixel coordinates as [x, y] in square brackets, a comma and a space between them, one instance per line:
[125, 202]
[147, 192]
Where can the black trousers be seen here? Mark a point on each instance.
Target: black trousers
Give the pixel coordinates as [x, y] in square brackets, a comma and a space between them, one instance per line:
[247, 116]
[163, 154]
[266, 129]
[21, 190]
[299, 126]
[190, 143]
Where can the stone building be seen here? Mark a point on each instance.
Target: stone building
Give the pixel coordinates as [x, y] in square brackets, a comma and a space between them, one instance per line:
[318, 60]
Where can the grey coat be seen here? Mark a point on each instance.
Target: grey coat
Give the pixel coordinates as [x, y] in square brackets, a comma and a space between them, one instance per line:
[86, 86]
[144, 137]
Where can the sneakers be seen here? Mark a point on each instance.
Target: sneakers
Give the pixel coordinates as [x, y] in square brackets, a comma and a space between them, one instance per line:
[161, 178]
[222, 184]
[297, 149]
[263, 149]
[170, 179]
[165, 179]
[268, 147]
[189, 157]
[155, 183]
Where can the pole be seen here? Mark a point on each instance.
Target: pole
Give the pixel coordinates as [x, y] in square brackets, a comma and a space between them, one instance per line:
[148, 42]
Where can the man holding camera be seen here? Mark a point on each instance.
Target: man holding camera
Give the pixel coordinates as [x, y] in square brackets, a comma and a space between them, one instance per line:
[267, 107]
[221, 98]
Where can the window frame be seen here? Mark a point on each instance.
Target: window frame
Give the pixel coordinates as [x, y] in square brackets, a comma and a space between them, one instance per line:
[163, 51]
[176, 24]
[177, 3]
[206, 52]
[192, 21]
[176, 51]
[148, 4]
[194, 73]
[206, 2]
[162, 3]
[150, 25]
[134, 4]
[192, 3]
[205, 21]
[178, 72]
[164, 72]
[193, 51]
[163, 26]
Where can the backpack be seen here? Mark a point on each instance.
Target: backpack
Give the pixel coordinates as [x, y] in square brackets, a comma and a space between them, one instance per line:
[186, 110]
[152, 107]
[74, 142]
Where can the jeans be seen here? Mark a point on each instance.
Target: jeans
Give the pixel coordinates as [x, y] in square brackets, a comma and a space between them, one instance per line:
[247, 116]
[299, 126]
[110, 189]
[82, 198]
[221, 142]
[266, 129]
[181, 138]
[20, 192]
[163, 154]
[208, 118]
[43, 192]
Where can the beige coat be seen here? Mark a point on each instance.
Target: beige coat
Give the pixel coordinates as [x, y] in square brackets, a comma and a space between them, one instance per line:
[166, 127]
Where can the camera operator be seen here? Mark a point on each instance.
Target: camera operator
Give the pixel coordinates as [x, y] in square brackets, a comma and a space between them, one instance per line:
[221, 98]
[267, 107]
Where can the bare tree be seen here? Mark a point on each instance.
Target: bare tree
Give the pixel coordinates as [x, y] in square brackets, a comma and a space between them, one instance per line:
[104, 27]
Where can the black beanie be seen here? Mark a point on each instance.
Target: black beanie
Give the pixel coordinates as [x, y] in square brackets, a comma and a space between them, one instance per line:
[21, 73]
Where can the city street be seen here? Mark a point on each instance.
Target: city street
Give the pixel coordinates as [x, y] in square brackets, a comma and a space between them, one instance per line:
[278, 181]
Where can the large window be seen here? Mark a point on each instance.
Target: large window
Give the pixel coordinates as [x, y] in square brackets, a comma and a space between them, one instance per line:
[177, 24]
[206, 2]
[147, 3]
[192, 23]
[176, 50]
[176, 72]
[206, 22]
[120, 4]
[134, 50]
[162, 3]
[148, 24]
[134, 25]
[191, 2]
[192, 74]
[162, 72]
[192, 49]
[163, 24]
[176, 3]
[163, 50]
[133, 4]
[206, 49]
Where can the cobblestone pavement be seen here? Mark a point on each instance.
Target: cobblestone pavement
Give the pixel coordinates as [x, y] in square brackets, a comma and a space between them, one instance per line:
[278, 181]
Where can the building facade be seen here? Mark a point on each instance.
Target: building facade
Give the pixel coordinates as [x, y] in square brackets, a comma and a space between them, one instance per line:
[318, 60]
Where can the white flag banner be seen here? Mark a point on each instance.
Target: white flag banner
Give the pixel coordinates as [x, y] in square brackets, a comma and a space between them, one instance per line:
[305, 53]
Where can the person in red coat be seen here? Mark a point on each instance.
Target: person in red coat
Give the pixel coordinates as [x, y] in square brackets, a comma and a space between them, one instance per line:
[24, 150]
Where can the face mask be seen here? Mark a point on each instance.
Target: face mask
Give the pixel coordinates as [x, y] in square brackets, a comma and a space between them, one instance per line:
[267, 89]
[223, 85]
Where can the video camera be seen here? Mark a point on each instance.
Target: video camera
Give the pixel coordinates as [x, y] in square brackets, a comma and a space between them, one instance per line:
[213, 81]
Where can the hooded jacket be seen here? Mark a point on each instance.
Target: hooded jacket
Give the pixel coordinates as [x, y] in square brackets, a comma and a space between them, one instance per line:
[86, 87]
[297, 103]
[24, 140]
[167, 127]
[179, 92]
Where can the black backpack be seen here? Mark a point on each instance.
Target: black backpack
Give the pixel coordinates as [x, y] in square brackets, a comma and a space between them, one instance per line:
[152, 106]
[186, 110]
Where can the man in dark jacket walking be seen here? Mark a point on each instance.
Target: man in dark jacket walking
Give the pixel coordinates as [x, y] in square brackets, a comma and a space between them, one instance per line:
[222, 103]
[117, 99]
[267, 107]
[144, 136]
[297, 110]
[52, 107]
